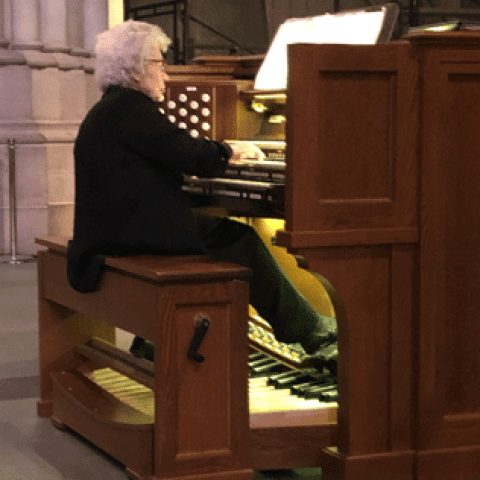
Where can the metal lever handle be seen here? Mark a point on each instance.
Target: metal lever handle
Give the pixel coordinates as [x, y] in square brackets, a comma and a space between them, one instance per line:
[201, 324]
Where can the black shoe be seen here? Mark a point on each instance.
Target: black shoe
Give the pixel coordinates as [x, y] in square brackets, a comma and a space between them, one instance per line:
[325, 357]
[142, 348]
[324, 334]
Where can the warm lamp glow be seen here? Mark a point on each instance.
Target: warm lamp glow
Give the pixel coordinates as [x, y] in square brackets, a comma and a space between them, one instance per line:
[356, 28]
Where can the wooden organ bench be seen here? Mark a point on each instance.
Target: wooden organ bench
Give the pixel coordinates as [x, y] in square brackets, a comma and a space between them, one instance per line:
[180, 417]
[200, 424]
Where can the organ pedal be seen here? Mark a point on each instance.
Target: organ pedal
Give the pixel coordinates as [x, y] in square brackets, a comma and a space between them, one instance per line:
[113, 392]
[280, 379]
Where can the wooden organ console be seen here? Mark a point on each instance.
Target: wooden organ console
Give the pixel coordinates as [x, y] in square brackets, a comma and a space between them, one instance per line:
[381, 182]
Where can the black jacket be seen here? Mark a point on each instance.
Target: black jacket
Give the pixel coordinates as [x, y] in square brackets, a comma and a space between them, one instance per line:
[129, 166]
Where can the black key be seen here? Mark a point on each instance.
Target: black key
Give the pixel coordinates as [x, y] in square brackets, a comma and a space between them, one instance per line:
[287, 382]
[261, 361]
[266, 368]
[277, 380]
[298, 389]
[256, 356]
[317, 392]
[329, 396]
[313, 384]
[322, 387]
[283, 374]
[289, 373]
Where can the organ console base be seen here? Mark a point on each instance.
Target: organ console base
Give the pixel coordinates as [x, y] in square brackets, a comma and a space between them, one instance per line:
[153, 418]
[117, 415]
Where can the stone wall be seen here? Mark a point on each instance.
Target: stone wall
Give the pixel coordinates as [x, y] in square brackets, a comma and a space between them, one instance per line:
[46, 86]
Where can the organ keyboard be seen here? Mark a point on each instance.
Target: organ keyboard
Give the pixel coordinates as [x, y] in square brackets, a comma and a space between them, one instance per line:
[221, 111]
[240, 197]
[274, 150]
[249, 187]
[257, 170]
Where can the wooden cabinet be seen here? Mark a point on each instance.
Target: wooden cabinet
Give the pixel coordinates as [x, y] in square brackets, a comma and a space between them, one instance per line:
[383, 181]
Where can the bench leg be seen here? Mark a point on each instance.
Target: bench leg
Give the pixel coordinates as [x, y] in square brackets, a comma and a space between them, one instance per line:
[60, 330]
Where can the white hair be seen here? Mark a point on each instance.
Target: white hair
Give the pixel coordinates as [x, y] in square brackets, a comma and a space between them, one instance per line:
[122, 52]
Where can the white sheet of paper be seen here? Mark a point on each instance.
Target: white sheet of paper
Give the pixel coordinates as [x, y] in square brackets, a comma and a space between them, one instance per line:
[357, 28]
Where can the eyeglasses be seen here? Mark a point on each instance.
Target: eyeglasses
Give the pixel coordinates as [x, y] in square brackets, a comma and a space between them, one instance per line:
[158, 61]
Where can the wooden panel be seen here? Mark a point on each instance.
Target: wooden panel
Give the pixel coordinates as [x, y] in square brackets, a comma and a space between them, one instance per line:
[129, 302]
[403, 332]
[60, 330]
[362, 174]
[213, 435]
[157, 268]
[450, 333]
[362, 275]
[348, 237]
[399, 465]
[462, 243]
[219, 106]
[349, 145]
[376, 316]
[352, 158]
[116, 428]
[202, 409]
[123, 301]
[278, 447]
[455, 464]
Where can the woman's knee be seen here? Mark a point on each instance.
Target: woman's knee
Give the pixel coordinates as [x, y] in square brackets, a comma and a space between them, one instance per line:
[229, 232]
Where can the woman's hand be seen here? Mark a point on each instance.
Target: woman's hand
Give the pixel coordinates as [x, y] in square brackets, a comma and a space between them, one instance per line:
[245, 152]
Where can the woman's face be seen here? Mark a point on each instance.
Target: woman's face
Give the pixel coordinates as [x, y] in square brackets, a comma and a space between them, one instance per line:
[154, 78]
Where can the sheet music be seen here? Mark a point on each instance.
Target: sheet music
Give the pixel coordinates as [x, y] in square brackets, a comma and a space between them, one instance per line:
[358, 28]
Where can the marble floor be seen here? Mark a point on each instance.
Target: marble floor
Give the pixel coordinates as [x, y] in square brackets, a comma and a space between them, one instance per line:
[31, 448]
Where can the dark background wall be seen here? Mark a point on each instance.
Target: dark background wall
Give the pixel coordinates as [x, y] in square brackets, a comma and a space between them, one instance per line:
[243, 22]
[251, 24]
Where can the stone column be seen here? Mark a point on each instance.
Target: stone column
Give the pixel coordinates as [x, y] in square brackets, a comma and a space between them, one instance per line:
[3, 41]
[75, 26]
[53, 14]
[47, 86]
[26, 25]
[96, 21]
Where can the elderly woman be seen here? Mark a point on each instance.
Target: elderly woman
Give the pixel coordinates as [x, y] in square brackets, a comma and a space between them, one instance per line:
[129, 166]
